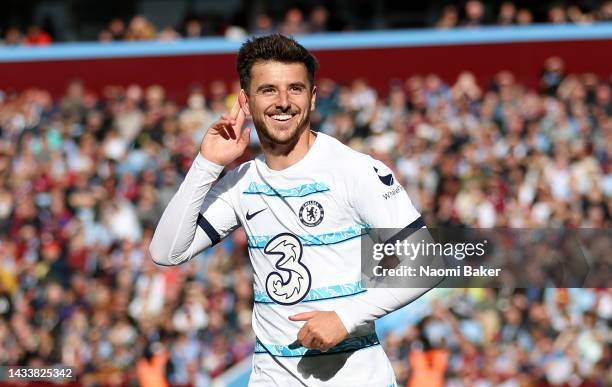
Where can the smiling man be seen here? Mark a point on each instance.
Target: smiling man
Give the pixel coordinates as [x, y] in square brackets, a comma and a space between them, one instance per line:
[303, 205]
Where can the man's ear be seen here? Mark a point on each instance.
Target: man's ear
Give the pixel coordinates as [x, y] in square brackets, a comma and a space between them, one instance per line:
[313, 98]
[244, 102]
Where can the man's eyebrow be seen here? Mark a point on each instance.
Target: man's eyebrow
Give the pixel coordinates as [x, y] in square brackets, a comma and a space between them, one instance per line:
[300, 84]
[269, 85]
[265, 86]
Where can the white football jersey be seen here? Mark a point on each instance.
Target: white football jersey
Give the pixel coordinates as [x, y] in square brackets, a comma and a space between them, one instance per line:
[303, 226]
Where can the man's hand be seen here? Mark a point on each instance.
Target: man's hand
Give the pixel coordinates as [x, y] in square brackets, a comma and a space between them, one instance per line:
[322, 330]
[225, 142]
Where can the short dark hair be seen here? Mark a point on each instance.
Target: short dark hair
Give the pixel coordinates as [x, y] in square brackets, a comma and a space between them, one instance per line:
[277, 48]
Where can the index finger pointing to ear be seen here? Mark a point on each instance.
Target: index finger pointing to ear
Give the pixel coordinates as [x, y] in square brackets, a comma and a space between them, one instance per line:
[242, 97]
[244, 102]
[240, 118]
[239, 121]
[235, 108]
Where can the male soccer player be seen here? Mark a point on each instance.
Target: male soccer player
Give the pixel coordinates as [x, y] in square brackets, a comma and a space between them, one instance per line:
[303, 205]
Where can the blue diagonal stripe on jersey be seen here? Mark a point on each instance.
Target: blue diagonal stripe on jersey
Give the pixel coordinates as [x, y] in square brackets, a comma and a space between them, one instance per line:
[350, 344]
[318, 294]
[299, 191]
[330, 238]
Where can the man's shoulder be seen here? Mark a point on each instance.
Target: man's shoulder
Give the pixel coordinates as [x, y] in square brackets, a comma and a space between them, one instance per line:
[350, 165]
[342, 155]
[234, 178]
[240, 171]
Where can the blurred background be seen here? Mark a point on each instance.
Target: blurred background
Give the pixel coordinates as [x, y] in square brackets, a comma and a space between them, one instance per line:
[491, 114]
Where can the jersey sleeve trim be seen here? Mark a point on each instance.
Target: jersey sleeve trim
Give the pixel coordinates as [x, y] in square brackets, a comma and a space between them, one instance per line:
[404, 233]
[209, 230]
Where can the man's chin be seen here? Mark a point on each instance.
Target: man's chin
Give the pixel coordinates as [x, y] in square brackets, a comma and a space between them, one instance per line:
[281, 136]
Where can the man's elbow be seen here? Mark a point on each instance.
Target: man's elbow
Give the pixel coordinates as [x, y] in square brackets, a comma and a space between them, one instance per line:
[159, 257]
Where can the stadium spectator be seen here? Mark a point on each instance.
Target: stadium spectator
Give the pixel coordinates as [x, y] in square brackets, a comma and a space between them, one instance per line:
[114, 32]
[557, 15]
[36, 37]
[151, 368]
[193, 28]
[140, 28]
[449, 18]
[263, 25]
[428, 368]
[235, 32]
[507, 13]
[294, 23]
[605, 11]
[117, 29]
[168, 34]
[12, 36]
[474, 13]
[105, 36]
[318, 20]
[524, 17]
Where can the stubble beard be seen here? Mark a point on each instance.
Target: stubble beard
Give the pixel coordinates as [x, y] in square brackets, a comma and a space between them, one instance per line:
[266, 135]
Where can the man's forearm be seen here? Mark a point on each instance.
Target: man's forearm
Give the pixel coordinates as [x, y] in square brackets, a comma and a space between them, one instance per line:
[375, 303]
[378, 302]
[173, 240]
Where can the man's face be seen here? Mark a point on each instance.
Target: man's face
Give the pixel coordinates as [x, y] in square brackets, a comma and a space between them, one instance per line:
[280, 100]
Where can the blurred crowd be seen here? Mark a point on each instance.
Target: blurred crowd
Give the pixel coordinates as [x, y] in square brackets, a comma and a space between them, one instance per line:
[487, 338]
[294, 22]
[318, 18]
[84, 179]
[476, 13]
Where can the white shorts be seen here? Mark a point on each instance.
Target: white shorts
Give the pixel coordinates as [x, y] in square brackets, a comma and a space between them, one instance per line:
[364, 367]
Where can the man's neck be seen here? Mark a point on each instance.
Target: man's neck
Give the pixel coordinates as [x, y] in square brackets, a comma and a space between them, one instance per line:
[279, 157]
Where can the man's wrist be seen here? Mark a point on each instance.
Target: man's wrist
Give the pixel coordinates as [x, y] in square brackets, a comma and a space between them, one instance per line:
[347, 319]
[203, 164]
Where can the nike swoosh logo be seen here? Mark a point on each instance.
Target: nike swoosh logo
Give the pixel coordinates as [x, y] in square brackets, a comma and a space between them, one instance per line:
[251, 216]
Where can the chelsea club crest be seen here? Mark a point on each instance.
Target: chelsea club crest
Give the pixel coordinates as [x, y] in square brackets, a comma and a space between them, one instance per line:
[311, 213]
